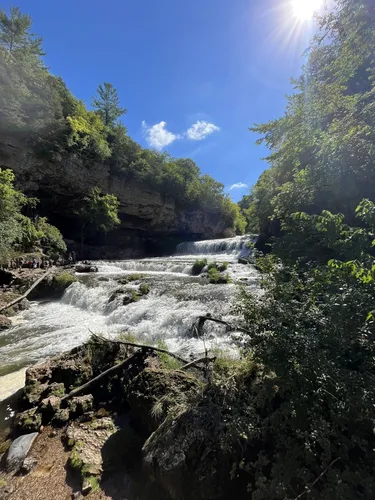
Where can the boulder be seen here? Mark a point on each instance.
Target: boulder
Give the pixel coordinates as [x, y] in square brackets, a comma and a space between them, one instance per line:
[6, 277]
[19, 450]
[49, 406]
[164, 388]
[189, 456]
[80, 405]
[5, 323]
[86, 268]
[60, 417]
[28, 421]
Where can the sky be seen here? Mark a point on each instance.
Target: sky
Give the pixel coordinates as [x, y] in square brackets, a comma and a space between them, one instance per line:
[194, 75]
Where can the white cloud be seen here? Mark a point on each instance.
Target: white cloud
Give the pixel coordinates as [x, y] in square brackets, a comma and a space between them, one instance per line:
[200, 130]
[238, 185]
[158, 136]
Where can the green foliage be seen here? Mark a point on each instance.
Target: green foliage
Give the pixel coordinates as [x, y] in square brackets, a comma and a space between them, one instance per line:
[127, 337]
[51, 238]
[87, 133]
[144, 288]
[215, 277]
[313, 332]
[107, 104]
[18, 232]
[198, 266]
[64, 280]
[167, 362]
[15, 34]
[322, 149]
[100, 210]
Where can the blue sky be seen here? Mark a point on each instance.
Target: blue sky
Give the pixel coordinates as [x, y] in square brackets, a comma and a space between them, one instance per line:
[195, 74]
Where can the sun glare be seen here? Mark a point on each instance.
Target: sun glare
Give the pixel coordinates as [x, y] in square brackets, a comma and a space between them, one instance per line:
[304, 9]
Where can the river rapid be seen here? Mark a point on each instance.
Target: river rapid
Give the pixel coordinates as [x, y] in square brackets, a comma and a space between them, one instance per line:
[168, 312]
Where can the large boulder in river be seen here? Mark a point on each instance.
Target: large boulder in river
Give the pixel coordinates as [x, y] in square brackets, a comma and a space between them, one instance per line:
[86, 268]
[153, 392]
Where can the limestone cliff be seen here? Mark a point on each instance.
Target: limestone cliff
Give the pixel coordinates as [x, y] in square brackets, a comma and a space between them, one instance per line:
[150, 222]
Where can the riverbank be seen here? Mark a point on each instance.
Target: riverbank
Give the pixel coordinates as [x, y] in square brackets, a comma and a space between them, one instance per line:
[113, 433]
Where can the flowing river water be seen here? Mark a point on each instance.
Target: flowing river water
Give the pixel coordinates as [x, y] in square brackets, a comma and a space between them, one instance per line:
[168, 312]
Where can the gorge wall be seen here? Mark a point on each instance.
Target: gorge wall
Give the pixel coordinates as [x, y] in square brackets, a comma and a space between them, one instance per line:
[150, 222]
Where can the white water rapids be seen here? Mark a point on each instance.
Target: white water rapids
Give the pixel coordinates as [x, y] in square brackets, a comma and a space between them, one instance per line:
[168, 312]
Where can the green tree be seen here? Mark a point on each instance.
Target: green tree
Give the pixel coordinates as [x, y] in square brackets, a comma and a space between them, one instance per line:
[15, 34]
[100, 212]
[107, 104]
[322, 149]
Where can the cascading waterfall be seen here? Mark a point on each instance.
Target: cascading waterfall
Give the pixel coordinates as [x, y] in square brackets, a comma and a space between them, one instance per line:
[227, 246]
[168, 312]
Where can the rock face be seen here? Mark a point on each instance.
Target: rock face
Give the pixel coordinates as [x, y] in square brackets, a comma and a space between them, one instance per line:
[150, 223]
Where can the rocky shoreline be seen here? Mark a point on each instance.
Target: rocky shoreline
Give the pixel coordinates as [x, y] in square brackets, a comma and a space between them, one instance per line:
[150, 424]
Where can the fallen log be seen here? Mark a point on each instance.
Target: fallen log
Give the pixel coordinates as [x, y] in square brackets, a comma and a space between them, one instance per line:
[135, 358]
[139, 346]
[196, 361]
[25, 295]
[187, 364]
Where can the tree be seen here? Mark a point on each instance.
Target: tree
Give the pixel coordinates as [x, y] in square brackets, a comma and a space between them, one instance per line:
[15, 35]
[100, 211]
[107, 104]
[322, 149]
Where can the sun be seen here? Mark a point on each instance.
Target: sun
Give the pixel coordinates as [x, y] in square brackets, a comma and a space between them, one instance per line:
[304, 9]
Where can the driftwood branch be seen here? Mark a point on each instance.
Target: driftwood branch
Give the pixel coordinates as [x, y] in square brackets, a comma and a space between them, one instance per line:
[124, 364]
[318, 478]
[24, 296]
[196, 361]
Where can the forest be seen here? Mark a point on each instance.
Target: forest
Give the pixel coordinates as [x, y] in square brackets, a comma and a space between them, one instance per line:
[38, 110]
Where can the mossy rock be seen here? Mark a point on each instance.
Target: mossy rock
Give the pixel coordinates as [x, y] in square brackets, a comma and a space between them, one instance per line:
[54, 286]
[60, 417]
[28, 421]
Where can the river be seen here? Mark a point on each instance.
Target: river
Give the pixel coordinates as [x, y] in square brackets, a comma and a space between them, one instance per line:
[175, 300]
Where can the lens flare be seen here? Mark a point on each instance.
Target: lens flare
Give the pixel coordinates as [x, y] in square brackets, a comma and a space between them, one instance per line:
[304, 10]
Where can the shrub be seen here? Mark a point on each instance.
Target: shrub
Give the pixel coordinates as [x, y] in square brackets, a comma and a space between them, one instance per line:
[198, 266]
[144, 289]
[215, 277]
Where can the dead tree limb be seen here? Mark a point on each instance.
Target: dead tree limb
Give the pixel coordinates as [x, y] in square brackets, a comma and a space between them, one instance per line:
[187, 364]
[140, 346]
[124, 364]
[318, 478]
[196, 361]
[203, 319]
[24, 296]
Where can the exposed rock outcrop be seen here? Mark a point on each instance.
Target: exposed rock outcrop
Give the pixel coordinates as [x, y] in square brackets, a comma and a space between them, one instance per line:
[150, 222]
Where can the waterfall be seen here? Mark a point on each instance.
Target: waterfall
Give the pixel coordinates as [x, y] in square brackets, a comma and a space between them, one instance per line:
[167, 312]
[233, 246]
